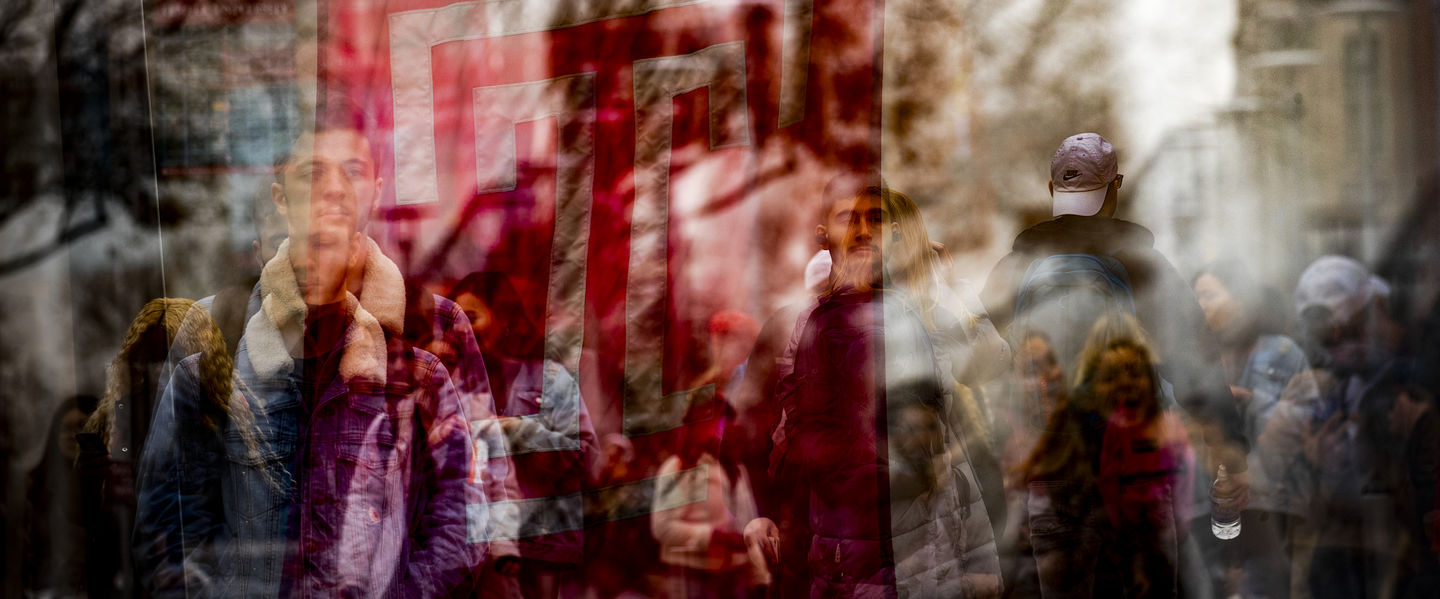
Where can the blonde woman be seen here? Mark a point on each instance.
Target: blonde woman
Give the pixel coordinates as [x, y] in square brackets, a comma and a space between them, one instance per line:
[1109, 480]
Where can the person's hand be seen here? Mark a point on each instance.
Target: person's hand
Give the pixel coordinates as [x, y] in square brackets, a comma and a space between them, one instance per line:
[1228, 486]
[940, 252]
[1317, 442]
[1241, 481]
[1242, 395]
[511, 425]
[500, 580]
[762, 541]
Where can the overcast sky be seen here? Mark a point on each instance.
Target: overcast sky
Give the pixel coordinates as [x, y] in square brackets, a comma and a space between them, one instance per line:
[1178, 61]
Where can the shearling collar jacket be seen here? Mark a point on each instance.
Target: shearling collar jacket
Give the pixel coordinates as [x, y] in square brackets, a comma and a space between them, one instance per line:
[438, 326]
[363, 490]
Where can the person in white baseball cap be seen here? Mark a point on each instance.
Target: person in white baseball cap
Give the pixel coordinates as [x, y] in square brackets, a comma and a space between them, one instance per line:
[1340, 284]
[1343, 310]
[1084, 188]
[1345, 321]
[1083, 177]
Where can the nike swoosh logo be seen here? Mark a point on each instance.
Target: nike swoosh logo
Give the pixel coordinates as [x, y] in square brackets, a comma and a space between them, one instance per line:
[1071, 175]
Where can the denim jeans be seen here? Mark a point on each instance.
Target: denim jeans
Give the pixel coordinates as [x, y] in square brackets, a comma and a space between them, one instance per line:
[1066, 538]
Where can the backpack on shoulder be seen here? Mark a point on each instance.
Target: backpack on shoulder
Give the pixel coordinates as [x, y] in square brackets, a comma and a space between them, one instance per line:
[1062, 296]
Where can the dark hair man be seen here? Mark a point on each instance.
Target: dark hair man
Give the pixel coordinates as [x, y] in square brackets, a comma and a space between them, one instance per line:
[339, 147]
[863, 451]
[343, 462]
[338, 159]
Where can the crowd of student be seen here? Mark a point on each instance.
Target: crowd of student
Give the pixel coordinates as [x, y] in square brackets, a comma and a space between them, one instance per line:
[1082, 426]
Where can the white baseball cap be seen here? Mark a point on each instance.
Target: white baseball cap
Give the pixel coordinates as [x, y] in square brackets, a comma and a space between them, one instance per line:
[1080, 173]
[1340, 284]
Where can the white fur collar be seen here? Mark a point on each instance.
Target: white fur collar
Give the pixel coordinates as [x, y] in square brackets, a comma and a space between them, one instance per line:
[283, 309]
[382, 290]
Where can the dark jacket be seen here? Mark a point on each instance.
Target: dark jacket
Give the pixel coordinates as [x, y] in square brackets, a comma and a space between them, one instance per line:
[438, 326]
[863, 366]
[1165, 305]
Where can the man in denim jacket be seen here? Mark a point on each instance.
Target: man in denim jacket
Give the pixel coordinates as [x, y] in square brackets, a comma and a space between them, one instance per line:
[337, 460]
[403, 307]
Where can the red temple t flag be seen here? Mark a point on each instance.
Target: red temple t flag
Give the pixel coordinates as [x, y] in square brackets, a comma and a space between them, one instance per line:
[632, 168]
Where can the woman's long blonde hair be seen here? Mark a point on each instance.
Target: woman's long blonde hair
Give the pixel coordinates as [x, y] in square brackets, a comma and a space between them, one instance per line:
[187, 330]
[1061, 451]
[1116, 326]
[912, 262]
[148, 340]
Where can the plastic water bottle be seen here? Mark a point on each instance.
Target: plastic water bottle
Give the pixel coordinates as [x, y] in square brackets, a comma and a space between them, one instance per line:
[1224, 506]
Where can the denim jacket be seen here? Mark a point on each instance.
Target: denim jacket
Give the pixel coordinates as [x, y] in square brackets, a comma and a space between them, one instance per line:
[438, 326]
[549, 436]
[363, 492]
[1279, 475]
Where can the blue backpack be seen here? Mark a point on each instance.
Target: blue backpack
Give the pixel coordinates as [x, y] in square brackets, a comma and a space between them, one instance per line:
[1064, 295]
